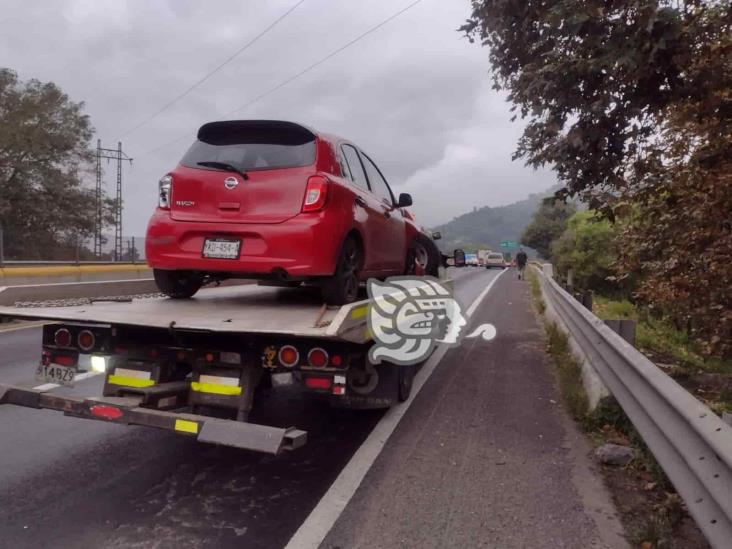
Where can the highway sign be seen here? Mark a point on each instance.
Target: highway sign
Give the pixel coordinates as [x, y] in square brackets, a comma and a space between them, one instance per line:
[508, 244]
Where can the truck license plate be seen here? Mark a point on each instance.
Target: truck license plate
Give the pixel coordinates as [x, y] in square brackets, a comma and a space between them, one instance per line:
[56, 373]
[221, 248]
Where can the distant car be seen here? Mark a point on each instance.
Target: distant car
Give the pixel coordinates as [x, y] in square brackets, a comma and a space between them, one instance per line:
[495, 260]
[276, 200]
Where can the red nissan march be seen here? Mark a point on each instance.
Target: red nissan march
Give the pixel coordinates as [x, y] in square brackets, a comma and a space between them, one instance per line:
[276, 200]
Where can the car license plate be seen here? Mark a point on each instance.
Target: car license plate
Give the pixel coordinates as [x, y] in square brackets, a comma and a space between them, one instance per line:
[221, 248]
[56, 373]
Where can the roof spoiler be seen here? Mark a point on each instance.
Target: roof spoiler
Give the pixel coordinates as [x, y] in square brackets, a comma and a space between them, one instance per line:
[279, 132]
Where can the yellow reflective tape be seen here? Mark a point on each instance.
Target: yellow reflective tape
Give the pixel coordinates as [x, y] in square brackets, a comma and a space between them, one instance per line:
[214, 388]
[130, 381]
[359, 312]
[185, 426]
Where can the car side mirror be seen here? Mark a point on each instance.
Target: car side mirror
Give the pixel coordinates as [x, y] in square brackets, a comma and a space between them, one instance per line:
[405, 199]
[437, 235]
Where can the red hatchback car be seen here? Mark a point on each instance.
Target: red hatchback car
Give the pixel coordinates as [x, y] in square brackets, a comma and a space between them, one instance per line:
[275, 200]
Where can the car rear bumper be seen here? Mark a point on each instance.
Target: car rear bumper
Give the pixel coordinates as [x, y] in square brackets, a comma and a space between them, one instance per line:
[303, 246]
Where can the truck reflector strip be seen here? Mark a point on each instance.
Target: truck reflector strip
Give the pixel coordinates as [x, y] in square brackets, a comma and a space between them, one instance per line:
[130, 378]
[219, 380]
[215, 389]
[185, 426]
[359, 312]
[130, 381]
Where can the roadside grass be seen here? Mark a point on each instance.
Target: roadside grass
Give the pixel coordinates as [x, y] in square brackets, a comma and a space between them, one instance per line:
[708, 378]
[659, 336]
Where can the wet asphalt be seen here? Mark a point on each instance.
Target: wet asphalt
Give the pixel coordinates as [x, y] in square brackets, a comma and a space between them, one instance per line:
[67, 482]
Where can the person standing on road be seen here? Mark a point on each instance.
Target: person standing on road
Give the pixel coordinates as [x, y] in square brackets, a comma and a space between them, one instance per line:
[521, 258]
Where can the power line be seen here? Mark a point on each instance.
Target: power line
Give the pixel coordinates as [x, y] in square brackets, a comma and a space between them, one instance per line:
[299, 74]
[212, 72]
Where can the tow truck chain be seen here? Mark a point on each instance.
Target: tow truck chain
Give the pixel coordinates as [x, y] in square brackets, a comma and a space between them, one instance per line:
[79, 301]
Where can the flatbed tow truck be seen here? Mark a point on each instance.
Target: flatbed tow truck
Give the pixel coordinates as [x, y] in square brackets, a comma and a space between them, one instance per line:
[194, 366]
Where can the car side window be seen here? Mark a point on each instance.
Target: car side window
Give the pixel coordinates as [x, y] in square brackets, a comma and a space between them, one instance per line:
[354, 165]
[379, 186]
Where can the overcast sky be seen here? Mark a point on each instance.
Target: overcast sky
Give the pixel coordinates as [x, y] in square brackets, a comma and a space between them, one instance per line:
[415, 94]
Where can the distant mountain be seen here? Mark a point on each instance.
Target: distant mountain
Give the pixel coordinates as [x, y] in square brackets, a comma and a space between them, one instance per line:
[486, 227]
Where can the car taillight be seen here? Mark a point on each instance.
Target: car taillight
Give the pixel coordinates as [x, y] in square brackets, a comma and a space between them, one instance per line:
[289, 356]
[318, 358]
[164, 187]
[62, 337]
[316, 193]
[86, 340]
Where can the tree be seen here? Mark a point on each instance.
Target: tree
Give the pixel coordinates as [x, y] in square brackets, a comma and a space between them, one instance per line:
[44, 152]
[548, 223]
[629, 101]
[596, 80]
[588, 247]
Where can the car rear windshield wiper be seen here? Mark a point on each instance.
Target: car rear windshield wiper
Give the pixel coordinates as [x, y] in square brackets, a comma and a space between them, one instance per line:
[223, 166]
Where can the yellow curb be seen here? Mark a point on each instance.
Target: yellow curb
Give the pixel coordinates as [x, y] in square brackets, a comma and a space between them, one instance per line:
[71, 270]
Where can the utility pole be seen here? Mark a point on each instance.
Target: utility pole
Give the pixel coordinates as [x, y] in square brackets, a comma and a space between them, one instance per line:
[118, 155]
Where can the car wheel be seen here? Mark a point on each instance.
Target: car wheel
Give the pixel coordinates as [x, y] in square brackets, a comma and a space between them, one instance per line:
[406, 380]
[177, 284]
[422, 249]
[342, 287]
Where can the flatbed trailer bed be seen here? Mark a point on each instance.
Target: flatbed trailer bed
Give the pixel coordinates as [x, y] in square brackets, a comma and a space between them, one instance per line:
[181, 365]
[231, 309]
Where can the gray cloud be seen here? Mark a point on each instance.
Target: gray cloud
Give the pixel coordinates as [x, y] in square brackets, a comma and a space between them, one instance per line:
[415, 94]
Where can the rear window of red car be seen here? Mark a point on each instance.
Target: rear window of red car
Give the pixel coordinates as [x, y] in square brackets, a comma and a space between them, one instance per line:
[252, 148]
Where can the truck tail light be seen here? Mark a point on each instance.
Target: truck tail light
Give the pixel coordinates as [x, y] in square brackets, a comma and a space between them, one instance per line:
[165, 186]
[62, 337]
[288, 356]
[106, 412]
[64, 360]
[318, 383]
[318, 357]
[86, 340]
[316, 194]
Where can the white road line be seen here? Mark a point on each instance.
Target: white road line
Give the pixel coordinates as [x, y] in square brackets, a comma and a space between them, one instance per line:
[484, 293]
[321, 519]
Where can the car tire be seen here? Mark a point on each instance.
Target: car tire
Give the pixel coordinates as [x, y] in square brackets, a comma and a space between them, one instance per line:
[177, 284]
[406, 380]
[342, 287]
[424, 250]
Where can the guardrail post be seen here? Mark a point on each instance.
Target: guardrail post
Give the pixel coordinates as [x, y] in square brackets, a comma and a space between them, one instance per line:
[624, 328]
[548, 270]
[2, 248]
[133, 252]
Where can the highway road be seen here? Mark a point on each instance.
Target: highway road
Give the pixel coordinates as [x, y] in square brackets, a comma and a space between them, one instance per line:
[482, 455]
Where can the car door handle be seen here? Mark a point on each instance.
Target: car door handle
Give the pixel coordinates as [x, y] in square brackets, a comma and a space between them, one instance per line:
[360, 201]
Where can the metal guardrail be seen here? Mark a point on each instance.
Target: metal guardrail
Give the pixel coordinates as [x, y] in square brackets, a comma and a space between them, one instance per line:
[690, 442]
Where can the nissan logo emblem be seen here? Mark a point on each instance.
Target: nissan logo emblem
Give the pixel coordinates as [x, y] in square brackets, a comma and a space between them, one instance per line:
[230, 182]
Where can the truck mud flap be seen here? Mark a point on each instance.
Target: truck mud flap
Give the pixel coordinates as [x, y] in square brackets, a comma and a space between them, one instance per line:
[126, 411]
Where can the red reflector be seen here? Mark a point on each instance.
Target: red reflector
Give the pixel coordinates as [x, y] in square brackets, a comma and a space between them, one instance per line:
[336, 360]
[318, 382]
[289, 356]
[106, 412]
[64, 360]
[85, 340]
[318, 358]
[62, 337]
